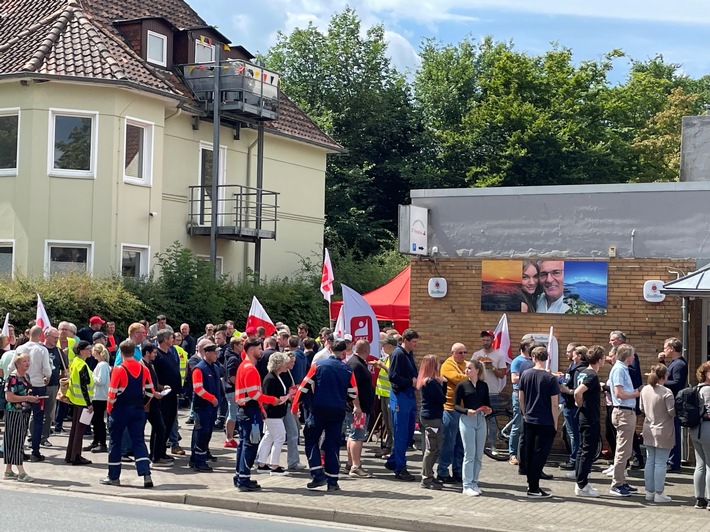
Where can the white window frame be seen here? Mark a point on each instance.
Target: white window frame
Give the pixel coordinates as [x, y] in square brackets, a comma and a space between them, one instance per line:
[148, 146]
[48, 244]
[76, 113]
[205, 45]
[12, 111]
[163, 38]
[145, 258]
[220, 262]
[10, 242]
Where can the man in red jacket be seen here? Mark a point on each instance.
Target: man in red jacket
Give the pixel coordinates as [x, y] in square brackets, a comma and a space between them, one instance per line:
[249, 414]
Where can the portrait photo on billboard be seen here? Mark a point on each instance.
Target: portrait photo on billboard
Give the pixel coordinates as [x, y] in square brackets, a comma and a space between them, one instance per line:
[544, 286]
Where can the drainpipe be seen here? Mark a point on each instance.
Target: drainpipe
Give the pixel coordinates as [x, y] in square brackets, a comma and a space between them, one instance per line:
[246, 219]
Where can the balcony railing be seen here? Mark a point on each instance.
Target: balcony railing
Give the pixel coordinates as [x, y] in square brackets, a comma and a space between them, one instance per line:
[245, 88]
[236, 209]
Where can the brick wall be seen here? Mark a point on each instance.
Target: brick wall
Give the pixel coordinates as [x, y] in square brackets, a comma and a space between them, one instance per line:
[458, 316]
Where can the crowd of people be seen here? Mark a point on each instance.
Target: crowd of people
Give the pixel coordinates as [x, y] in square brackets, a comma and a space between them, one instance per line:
[268, 392]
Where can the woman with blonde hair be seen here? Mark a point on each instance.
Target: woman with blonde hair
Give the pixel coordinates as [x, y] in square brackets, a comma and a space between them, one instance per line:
[471, 399]
[17, 417]
[700, 436]
[656, 402]
[274, 428]
[102, 376]
[432, 388]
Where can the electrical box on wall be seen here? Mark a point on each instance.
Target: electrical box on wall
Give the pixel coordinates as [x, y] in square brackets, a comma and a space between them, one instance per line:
[438, 287]
[413, 227]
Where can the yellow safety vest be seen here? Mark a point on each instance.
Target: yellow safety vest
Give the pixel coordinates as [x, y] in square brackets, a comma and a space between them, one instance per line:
[182, 354]
[74, 392]
[383, 381]
[70, 349]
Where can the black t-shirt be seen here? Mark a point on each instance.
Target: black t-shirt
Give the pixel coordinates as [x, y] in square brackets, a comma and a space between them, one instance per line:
[363, 378]
[590, 409]
[232, 361]
[539, 387]
[470, 397]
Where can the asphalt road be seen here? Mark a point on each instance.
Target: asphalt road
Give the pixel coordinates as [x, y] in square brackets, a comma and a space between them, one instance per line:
[37, 510]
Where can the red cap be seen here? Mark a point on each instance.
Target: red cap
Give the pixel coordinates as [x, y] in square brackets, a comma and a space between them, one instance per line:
[251, 331]
[487, 333]
[96, 319]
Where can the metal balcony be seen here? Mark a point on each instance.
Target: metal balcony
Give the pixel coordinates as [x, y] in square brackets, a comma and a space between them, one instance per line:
[237, 211]
[245, 88]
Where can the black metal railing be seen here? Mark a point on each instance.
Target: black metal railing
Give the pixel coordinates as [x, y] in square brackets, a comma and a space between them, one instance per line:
[237, 211]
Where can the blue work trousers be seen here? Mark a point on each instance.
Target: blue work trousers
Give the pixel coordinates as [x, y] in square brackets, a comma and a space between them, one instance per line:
[129, 419]
[246, 450]
[404, 410]
[452, 448]
[202, 434]
[328, 423]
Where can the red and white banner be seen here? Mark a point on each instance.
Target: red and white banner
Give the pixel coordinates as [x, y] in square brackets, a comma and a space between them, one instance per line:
[259, 318]
[360, 320]
[6, 330]
[501, 338]
[41, 318]
[327, 278]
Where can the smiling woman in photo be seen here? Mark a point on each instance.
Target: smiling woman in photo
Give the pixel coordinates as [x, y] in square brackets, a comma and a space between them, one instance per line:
[530, 286]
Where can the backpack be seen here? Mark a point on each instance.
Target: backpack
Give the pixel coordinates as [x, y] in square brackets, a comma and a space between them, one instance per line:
[689, 407]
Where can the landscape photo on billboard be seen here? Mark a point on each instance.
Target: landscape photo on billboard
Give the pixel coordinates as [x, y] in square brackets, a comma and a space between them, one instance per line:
[550, 286]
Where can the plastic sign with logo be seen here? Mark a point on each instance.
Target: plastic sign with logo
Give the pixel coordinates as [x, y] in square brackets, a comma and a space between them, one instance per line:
[437, 287]
[361, 328]
[652, 291]
[413, 227]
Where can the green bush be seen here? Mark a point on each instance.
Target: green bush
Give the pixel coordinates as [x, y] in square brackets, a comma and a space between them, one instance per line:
[73, 298]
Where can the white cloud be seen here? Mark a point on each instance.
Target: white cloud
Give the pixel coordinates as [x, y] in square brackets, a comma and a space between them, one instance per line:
[401, 52]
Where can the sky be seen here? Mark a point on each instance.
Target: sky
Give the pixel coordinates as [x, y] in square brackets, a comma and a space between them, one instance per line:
[642, 28]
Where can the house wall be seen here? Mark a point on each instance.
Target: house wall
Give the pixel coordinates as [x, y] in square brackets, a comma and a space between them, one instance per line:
[108, 212]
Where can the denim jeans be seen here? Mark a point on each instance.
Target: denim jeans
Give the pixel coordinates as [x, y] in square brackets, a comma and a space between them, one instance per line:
[473, 435]
[516, 425]
[654, 475]
[674, 458]
[37, 418]
[291, 424]
[246, 450]
[452, 447]
[572, 427]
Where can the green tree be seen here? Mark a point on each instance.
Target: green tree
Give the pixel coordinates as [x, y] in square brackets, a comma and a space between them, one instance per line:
[344, 81]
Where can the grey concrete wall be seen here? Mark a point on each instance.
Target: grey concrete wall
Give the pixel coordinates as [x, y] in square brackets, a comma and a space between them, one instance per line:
[695, 149]
[658, 220]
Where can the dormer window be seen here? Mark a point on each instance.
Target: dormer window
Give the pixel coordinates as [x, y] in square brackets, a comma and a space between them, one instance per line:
[204, 52]
[157, 49]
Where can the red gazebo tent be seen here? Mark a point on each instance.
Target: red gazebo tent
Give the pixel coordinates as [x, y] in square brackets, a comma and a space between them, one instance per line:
[390, 302]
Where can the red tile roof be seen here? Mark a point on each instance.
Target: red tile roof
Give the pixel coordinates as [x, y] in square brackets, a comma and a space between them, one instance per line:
[78, 39]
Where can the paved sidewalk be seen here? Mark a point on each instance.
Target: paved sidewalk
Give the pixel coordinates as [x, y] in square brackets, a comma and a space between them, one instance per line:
[386, 502]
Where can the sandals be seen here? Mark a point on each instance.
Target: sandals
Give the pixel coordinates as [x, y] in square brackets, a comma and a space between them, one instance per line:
[10, 475]
[24, 477]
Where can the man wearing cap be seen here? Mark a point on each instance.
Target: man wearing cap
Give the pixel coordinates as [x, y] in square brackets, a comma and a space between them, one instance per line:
[403, 378]
[87, 333]
[496, 369]
[207, 390]
[97, 338]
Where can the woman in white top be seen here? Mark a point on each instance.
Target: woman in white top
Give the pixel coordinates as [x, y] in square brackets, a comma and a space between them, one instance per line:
[700, 436]
[102, 376]
[656, 402]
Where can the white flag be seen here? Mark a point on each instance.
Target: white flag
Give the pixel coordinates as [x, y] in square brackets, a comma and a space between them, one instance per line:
[259, 318]
[340, 329]
[6, 330]
[501, 338]
[553, 359]
[359, 318]
[41, 317]
[327, 277]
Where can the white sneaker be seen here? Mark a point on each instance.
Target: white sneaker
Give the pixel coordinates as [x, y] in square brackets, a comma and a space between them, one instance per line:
[661, 497]
[570, 474]
[608, 470]
[469, 492]
[476, 488]
[649, 495]
[586, 491]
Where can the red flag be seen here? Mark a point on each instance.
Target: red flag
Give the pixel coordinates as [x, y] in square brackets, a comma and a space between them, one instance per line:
[327, 277]
[259, 318]
[501, 338]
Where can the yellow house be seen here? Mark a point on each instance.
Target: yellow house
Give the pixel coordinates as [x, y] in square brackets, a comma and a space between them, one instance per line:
[106, 155]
